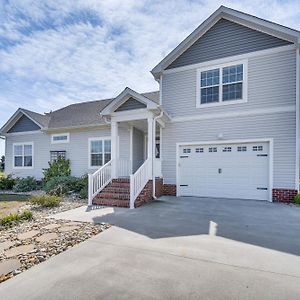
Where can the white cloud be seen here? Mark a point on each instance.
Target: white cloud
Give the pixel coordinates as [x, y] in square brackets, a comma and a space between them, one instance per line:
[58, 59]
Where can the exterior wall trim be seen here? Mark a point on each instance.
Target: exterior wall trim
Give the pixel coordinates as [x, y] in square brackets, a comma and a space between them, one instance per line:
[237, 141]
[297, 119]
[278, 109]
[231, 59]
[21, 133]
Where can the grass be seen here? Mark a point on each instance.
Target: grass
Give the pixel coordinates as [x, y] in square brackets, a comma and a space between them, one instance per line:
[10, 204]
[16, 218]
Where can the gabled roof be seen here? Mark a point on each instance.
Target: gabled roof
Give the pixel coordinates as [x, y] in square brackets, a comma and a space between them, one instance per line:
[151, 100]
[39, 119]
[250, 21]
[84, 114]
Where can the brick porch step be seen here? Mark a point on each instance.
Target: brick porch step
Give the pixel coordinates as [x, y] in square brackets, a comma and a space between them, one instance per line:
[120, 196]
[111, 202]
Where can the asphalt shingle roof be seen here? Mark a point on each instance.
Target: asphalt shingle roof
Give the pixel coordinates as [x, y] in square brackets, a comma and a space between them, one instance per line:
[79, 114]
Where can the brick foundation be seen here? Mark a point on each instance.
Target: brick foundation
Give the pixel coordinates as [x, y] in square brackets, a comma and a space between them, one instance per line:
[169, 189]
[284, 195]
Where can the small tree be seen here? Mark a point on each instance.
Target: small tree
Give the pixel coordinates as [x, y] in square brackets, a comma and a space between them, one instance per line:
[58, 168]
[2, 163]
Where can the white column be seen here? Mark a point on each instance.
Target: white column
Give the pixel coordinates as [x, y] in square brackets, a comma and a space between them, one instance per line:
[150, 145]
[114, 148]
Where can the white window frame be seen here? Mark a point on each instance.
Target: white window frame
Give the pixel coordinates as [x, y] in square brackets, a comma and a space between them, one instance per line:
[13, 157]
[90, 148]
[220, 67]
[62, 141]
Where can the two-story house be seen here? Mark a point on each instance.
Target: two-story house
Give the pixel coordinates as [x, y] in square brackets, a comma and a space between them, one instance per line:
[224, 123]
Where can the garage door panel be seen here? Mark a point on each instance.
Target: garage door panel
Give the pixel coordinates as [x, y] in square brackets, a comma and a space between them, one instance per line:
[229, 170]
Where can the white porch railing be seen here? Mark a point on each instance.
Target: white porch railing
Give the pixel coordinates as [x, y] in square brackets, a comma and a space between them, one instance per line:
[138, 181]
[98, 181]
[123, 167]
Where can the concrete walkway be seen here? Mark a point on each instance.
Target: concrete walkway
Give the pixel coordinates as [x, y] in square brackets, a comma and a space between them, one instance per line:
[175, 248]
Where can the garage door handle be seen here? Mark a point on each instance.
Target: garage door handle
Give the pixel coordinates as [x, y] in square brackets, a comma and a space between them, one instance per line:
[184, 185]
[184, 156]
[262, 189]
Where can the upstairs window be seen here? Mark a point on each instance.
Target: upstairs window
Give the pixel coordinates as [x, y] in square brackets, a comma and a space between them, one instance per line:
[223, 84]
[23, 155]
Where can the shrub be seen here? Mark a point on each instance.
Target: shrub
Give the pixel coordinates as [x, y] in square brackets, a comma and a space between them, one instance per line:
[26, 184]
[59, 186]
[14, 219]
[45, 201]
[297, 199]
[6, 182]
[58, 168]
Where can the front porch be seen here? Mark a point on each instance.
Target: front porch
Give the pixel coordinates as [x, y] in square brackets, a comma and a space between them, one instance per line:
[128, 178]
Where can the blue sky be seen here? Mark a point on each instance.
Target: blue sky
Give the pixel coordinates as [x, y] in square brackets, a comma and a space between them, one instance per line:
[56, 52]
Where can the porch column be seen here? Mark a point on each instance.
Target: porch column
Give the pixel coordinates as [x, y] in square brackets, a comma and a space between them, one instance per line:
[114, 148]
[150, 145]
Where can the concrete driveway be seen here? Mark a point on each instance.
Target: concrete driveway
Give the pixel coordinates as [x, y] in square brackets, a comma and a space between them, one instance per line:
[175, 248]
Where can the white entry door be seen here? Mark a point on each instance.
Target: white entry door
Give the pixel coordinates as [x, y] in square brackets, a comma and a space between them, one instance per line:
[226, 170]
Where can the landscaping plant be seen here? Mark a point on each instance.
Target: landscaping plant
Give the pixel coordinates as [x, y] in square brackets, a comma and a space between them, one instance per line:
[26, 184]
[14, 219]
[297, 199]
[45, 201]
[6, 182]
[58, 168]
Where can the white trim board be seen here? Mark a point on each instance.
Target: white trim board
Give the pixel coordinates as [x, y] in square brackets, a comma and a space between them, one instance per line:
[297, 119]
[221, 115]
[237, 141]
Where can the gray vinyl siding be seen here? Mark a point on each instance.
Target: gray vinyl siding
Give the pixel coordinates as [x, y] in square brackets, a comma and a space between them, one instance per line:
[224, 39]
[271, 82]
[76, 150]
[281, 127]
[131, 104]
[24, 124]
[137, 149]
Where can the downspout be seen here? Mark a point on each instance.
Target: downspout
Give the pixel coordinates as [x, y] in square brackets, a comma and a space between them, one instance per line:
[153, 152]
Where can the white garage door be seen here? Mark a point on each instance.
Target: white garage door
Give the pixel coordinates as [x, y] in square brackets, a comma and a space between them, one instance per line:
[227, 170]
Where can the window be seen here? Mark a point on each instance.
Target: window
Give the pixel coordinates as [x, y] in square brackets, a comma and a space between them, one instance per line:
[224, 84]
[257, 148]
[242, 148]
[23, 155]
[212, 149]
[55, 154]
[186, 150]
[99, 152]
[226, 149]
[199, 150]
[210, 86]
[60, 138]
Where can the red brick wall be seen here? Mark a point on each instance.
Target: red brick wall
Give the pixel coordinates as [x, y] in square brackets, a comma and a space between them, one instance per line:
[284, 195]
[169, 189]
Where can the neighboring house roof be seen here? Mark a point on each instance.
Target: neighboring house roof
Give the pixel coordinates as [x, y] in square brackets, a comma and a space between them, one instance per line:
[247, 20]
[82, 114]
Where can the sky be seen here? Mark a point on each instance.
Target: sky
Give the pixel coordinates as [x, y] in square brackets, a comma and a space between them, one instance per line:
[57, 52]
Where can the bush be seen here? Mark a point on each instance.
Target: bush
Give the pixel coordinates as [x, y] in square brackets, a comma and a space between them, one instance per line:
[14, 219]
[59, 168]
[6, 182]
[45, 201]
[59, 186]
[26, 184]
[297, 199]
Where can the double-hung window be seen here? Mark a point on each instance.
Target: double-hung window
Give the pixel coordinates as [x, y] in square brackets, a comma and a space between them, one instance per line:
[23, 155]
[99, 152]
[223, 84]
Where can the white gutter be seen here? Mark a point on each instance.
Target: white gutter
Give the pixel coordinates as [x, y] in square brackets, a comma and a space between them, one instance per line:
[153, 153]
